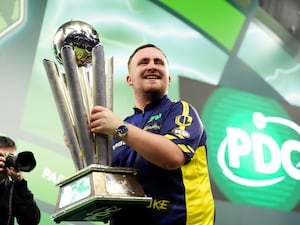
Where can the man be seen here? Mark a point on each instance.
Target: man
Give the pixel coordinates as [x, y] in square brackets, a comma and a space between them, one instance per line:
[165, 142]
[16, 200]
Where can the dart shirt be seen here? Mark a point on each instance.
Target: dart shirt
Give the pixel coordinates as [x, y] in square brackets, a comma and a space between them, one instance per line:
[179, 197]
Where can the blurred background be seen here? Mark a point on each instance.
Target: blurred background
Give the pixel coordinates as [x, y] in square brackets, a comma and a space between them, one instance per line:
[236, 61]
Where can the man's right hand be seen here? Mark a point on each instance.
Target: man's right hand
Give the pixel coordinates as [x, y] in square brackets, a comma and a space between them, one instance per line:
[2, 162]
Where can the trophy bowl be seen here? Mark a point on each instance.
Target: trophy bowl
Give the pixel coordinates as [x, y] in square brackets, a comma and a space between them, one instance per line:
[78, 34]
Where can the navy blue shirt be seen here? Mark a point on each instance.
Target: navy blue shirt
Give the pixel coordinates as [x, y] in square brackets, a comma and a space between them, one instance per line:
[182, 196]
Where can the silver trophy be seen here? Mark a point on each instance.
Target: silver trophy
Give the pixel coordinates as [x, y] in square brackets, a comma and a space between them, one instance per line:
[97, 190]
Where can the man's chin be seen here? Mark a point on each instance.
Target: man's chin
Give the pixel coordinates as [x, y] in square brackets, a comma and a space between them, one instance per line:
[153, 94]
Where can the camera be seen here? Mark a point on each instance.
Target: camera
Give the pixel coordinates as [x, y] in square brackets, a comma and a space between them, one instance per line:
[23, 161]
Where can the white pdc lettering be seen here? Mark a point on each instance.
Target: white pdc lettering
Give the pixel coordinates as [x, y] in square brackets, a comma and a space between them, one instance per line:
[241, 144]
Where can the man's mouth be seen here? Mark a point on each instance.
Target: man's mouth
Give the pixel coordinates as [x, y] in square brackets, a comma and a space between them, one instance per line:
[152, 77]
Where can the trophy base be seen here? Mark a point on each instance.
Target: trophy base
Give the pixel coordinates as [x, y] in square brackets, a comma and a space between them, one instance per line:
[97, 192]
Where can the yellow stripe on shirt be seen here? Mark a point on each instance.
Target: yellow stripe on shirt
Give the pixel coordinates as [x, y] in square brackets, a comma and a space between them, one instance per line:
[199, 200]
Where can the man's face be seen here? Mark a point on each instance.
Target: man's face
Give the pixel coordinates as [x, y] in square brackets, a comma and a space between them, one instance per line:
[148, 73]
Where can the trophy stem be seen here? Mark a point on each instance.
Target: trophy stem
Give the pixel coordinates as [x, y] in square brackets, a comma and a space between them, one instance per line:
[80, 114]
[63, 111]
[98, 62]
[109, 98]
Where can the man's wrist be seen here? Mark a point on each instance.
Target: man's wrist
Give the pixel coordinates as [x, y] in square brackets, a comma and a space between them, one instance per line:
[121, 131]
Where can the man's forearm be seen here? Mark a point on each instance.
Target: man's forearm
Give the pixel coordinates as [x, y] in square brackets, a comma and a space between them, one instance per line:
[155, 148]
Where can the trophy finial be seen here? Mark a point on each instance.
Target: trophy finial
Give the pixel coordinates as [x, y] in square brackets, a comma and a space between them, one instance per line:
[78, 34]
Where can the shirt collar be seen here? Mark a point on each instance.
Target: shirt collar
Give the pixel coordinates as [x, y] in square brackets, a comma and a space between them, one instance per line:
[151, 105]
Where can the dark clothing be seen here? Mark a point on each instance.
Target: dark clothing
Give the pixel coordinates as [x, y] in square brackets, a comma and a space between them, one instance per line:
[16, 201]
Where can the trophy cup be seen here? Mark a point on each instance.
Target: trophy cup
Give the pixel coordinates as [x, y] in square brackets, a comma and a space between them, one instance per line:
[97, 190]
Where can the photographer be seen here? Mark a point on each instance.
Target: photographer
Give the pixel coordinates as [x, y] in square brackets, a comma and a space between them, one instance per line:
[16, 200]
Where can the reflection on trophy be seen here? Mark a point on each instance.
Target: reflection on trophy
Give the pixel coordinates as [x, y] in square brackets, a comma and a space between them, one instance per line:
[97, 190]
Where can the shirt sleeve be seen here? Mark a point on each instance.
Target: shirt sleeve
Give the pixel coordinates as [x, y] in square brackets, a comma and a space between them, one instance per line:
[183, 126]
[25, 208]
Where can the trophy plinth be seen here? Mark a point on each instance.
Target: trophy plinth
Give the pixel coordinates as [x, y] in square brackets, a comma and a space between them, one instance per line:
[97, 192]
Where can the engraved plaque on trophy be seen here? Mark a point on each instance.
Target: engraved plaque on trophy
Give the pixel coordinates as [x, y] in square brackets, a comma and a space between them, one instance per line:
[97, 190]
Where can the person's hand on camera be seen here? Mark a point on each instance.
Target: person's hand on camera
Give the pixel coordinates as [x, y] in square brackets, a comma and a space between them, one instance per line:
[16, 175]
[2, 168]
[2, 163]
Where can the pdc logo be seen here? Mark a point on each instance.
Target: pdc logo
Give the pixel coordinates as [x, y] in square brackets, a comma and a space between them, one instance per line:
[262, 150]
[253, 149]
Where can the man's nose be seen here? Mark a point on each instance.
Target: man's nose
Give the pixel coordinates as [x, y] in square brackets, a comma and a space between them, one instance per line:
[152, 66]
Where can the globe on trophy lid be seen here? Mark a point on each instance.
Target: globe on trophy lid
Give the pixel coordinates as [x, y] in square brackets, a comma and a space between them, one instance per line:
[81, 36]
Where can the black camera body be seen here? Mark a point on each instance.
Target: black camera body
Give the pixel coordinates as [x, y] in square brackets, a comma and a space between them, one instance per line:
[23, 161]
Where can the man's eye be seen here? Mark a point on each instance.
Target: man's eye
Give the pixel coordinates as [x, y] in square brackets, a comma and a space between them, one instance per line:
[158, 62]
[143, 62]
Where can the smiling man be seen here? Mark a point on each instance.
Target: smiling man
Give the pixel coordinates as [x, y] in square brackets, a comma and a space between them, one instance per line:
[165, 141]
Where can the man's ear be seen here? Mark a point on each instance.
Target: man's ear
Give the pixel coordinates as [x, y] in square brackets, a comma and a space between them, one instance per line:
[128, 80]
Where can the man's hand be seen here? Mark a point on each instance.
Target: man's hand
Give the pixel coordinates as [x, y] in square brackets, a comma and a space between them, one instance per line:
[3, 174]
[15, 175]
[12, 172]
[104, 121]
[2, 163]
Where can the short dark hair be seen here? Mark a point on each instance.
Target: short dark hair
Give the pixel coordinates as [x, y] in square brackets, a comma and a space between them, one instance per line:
[142, 47]
[6, 142]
